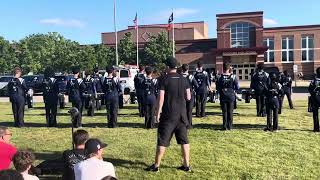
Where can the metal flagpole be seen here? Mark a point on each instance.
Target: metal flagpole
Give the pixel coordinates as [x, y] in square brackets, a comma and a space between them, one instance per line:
[137, 41]
[173, 42]
[115, 31]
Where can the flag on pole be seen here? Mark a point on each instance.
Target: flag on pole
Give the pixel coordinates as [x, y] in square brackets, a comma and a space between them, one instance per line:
[135, 21]
[170, 22]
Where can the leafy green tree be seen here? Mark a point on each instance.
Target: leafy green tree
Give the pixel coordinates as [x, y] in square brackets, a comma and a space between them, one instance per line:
[157, 50]
[7, 56]
[127, 50]
[105, 56]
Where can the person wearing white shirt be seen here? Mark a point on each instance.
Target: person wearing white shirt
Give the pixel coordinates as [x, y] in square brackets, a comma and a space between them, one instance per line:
[94, 168]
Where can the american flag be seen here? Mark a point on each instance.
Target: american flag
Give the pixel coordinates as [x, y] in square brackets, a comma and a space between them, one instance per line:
[170, 22]
[135, 21]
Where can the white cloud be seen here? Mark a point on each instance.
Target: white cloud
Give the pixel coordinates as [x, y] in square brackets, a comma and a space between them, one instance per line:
[63, 22]
[269, 22]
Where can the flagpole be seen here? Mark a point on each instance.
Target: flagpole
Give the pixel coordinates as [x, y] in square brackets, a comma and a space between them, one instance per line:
[173, 42]
[115, 31]
[137, 41]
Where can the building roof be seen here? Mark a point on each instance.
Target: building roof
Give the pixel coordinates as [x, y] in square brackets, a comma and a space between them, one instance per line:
[292, 27]
[240, 14]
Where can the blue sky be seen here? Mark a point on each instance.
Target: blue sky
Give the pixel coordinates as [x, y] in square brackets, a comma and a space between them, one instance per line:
[84, 20]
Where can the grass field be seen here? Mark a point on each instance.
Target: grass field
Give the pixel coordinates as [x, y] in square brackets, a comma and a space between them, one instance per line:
[244, 153]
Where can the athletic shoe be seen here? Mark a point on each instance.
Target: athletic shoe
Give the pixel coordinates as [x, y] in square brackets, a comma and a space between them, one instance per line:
[152, 168]
[183, 168]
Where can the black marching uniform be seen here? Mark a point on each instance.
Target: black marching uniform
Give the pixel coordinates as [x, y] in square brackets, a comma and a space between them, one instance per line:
[138, 85]
[75, 90]
[273, 94]
[149, 100]
[258, 84]
[193, 84]
[111, 88]
[286, 82]
[202, 92]
[98, 86]
[17, 89]
[89, 95]
[314, 90]
[227, 84]
[50, 89]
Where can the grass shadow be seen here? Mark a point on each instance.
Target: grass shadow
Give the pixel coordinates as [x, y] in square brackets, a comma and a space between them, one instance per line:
[235, 126]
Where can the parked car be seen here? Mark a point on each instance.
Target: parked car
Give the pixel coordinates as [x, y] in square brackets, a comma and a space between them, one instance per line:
[34, 82]
[4, 81]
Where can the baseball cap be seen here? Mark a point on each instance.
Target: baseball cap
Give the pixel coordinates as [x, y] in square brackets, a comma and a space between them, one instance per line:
[94, 145]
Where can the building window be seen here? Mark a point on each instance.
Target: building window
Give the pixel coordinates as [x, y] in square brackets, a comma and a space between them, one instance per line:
[269, 55]
[241, 34]
[287, 49]
[307, 48]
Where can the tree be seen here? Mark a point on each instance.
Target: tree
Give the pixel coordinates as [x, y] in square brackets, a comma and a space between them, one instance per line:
[127, 50]
[157, 50]
[105, 56]
[7, 56]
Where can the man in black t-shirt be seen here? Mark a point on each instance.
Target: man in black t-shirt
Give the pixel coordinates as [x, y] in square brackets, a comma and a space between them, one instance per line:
[174, 91]
[72, 157]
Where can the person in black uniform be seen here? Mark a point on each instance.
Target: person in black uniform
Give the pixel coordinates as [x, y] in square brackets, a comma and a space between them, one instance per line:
[314, 90]
[226, 85]
[259, 83]
[286, 82]
[273, 93]
[149, 100]
[98, 86]
[75, 90]
[138, 83]
[193, 84]
[50, 89]
[90, 94]
[17, 89]
[174, 92]
[202, 91]
[111, 88]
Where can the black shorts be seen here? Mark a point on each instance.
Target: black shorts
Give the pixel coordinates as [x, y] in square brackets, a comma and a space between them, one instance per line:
[167, 129]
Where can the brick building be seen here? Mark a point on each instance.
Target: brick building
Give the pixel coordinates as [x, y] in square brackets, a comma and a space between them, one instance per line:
[241, 40]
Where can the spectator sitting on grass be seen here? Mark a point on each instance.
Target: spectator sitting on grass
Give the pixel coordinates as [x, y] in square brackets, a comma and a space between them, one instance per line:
[22, 161]
[72, 157]
[94, 167]
[7, 150]
[10, 175]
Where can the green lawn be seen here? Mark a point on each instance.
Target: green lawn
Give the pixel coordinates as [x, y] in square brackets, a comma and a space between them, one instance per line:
[244, 153]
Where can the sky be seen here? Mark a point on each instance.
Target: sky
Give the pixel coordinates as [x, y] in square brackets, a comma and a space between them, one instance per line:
[85, 20]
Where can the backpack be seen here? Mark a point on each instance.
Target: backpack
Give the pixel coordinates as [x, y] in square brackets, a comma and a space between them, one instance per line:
[74, 87]
[200, 78]
[150, 86]
[109, 85]
[138, 80]
[261, 80]
[49, 85]
[227, 93]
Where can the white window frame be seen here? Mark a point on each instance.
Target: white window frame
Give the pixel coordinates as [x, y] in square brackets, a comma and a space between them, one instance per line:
[269, 51]
[307, 37]
[287, 50]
